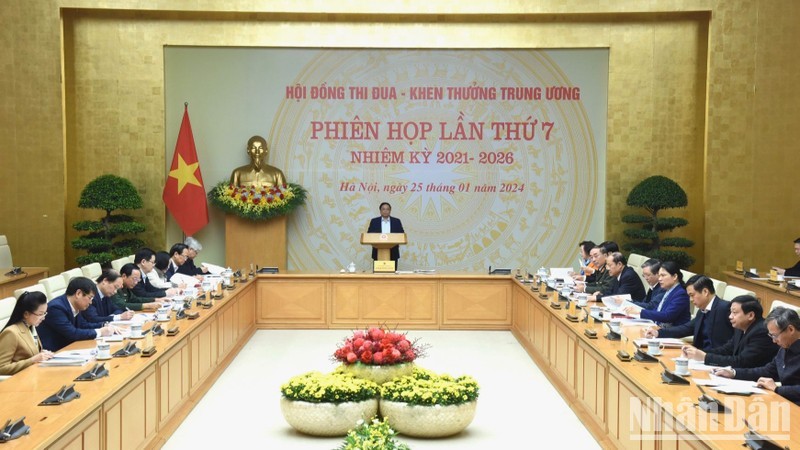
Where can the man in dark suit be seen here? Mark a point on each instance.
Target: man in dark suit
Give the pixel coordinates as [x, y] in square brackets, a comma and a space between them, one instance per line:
[624, 279]
[188, 267]
[386, 224]
[178, 254]
[783, 327]
[750, 345]
[654, 292]
[64, 323]
[145, 260]
[793, 271]
[710, 326]
[102, 308]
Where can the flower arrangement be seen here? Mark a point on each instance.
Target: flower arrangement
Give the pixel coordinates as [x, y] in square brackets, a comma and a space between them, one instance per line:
[375, 434]
[257, 203]
[426, 388]
[334, 387]
[378, 346]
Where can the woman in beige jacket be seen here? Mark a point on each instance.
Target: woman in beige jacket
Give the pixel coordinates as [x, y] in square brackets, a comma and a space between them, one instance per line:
[19, 343]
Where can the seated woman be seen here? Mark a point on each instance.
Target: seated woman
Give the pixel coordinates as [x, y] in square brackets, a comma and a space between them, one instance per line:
[156, 276]
[674, 307]
[19, 343]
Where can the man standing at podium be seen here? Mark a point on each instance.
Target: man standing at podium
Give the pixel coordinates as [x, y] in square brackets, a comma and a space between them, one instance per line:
[386, 224]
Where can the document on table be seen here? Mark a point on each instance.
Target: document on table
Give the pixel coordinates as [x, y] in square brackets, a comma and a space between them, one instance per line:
[179, 278]
[730, 386]
[617, 302]
[213, 268]
[70, 358]
[698, 365]
[562, 273]
[667, 342]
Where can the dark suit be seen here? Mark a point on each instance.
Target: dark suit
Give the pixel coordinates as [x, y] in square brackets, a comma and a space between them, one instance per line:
[60, 328]
[652, 298]
[101, 310]
[715, 327]
[784, 367]
[753, 348]
[793, 271]
[395, 226]
[628, 283]
[674, 309]
[188, 268]
[145, 289]
[172, 268]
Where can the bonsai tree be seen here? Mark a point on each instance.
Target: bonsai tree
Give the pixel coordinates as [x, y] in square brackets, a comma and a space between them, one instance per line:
[654, 194]
[106, 239]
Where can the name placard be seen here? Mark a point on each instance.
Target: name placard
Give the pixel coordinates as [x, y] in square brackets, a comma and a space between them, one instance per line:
[383, 266]
[739, 266]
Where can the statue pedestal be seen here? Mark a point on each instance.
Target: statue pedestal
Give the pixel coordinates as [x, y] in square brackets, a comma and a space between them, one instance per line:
[258, 242]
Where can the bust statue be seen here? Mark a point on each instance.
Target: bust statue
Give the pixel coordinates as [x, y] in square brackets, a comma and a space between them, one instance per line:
[258, 172]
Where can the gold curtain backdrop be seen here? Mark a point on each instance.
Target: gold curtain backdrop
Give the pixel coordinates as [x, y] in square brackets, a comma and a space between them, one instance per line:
[701, 91]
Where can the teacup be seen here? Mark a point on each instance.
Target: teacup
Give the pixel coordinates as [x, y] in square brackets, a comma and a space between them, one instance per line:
[781, 278]
[654, 347]
[797, 283]
[682, 366]
[136, 330]
[163, 313]
[606, 315]
[565, 292]
[583, 301]
[616, 325]
[103, 350]
[754, 270]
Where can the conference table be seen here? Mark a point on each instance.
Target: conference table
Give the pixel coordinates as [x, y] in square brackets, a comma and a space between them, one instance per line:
[765, 291]
[29, 276]
[623, 404]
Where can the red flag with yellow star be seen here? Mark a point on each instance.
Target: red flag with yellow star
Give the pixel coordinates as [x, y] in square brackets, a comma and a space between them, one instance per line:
[184, 193]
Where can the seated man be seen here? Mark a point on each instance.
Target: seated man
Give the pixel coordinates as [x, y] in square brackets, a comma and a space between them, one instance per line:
[749, 347]
[624, 279]
[654, 293]
[783, 326]
[188, 267]
[125, 298]
[600, 279]
[793, 271]
[710, 327]
[178, 254]
[145, 260]
[64, 322]
[102, 308]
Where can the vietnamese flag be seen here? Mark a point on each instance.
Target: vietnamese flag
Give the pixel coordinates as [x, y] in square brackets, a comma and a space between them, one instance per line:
[184, 193]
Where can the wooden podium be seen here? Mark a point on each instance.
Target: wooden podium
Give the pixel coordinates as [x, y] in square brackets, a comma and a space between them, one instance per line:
[262, 243]
[383, 242]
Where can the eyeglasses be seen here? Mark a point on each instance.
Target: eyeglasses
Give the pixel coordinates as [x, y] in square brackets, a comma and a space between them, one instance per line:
[41, 314]
[775, 336]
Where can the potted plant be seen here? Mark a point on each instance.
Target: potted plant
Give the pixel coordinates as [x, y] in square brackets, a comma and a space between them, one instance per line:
[375, 434]
[327, 404]
[106, 239]
[655, 194]
[378, 354]
[427, 404]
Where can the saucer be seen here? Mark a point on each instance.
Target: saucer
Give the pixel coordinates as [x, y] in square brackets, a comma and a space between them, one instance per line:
[103, 359]
[655, 354]
[687, 374]
[135, 337]
[163, 320]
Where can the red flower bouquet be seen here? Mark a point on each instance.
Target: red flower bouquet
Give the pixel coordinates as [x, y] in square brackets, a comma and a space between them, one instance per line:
[378, 346]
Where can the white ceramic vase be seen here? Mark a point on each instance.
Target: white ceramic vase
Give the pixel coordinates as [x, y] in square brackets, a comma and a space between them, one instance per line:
[327, 419]
[428, 421]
